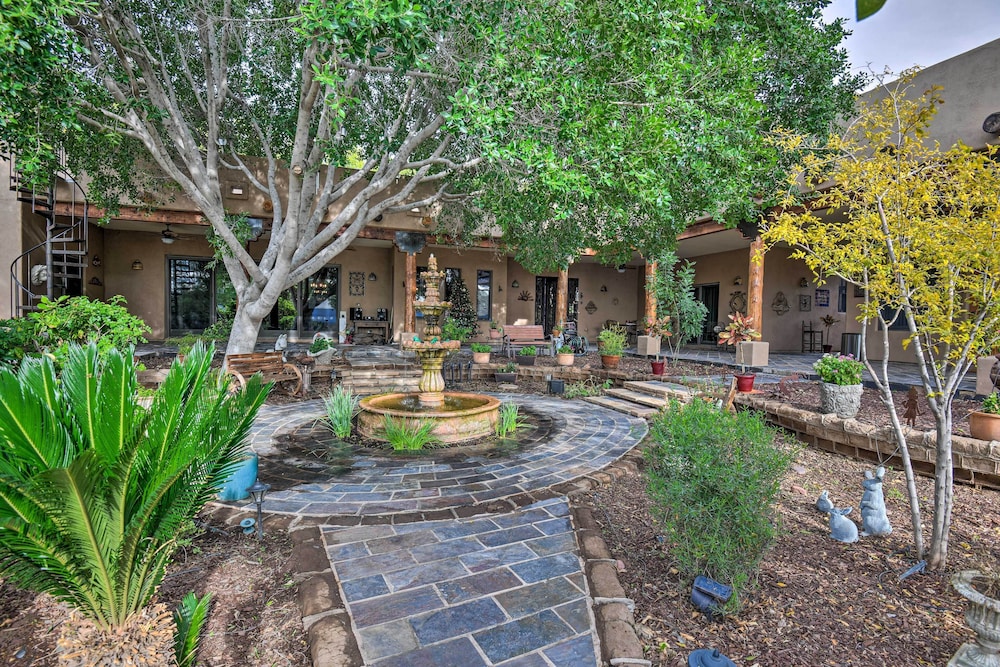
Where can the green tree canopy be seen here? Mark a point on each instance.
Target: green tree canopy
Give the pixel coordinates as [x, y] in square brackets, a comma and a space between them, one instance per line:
[571, 124]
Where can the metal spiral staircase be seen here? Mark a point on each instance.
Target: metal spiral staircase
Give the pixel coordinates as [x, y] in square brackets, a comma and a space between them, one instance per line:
[60, 270]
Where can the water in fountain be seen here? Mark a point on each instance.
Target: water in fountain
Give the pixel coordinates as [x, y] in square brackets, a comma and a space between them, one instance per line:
[456, 416]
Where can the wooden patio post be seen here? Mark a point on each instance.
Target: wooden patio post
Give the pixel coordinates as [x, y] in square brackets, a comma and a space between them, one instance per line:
[562, 296]
[755, 296]
[650, 311]
[409, 315]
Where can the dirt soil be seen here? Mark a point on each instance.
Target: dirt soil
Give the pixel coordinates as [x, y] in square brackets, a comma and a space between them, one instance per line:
[254, 619]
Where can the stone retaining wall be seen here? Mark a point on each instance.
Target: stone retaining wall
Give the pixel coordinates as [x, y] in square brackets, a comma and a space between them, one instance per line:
[975, 461]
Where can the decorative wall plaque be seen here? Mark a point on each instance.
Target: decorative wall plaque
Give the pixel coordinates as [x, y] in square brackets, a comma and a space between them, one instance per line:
[356, 283]
[805, 302]
[591, 307]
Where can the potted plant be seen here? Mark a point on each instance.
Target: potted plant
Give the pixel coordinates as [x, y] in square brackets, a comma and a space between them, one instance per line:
[322, 349]
[611, 344]
[658, 329]
[828, 321]
[481, 353]
[982, 615]
[565, 356]
[985, 424]
[506, 373]
[840, 388]
[526, 355]
[739, 331]
[495, 330]
[557, 329]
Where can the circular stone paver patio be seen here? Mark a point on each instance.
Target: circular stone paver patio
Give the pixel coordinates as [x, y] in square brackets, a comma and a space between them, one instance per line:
[585, 438]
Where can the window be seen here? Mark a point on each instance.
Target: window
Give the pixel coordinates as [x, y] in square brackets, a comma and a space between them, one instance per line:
[190, 294]
[451, 276]
[484, 294]
[842, 297]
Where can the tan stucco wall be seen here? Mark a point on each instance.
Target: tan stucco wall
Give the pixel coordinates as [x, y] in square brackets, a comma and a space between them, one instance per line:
[10, 245]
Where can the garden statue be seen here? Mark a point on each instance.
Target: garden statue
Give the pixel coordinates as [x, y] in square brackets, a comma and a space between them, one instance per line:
[874, 520]
[823, 503]
[911, 407]
[842, 529]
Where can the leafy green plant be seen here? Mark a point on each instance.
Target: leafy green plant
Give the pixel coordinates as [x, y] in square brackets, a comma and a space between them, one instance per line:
[17, 338]
[509, 420]
[588, 387]
[564, 349]
[189, 617]
[611, 341]
[341, 407]
[991, 404]
[527, 351]
[839, 369]
[94, 488]
[713, 480]
[184, 343]
[79, 320]
[481, 347]
[509, 367]
[452, 329]
[408, 434]
[675, 298]
[320, 343]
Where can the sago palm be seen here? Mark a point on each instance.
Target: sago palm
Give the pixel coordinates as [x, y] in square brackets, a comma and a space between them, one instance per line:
[94, 488]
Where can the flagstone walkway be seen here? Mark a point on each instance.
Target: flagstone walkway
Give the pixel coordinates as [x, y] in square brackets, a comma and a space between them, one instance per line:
[430, 573]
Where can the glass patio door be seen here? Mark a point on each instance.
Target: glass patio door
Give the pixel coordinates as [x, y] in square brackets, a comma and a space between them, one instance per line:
[190, 295]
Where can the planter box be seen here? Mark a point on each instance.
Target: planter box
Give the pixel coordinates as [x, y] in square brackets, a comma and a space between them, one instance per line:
[648, 346]
[525, 360]
[752, 354]
[508, 378]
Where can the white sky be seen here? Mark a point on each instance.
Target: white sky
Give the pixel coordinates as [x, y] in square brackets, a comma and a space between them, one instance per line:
[917, 32]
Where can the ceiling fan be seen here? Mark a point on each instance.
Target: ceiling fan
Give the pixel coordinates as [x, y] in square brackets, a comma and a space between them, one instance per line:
[168, 235]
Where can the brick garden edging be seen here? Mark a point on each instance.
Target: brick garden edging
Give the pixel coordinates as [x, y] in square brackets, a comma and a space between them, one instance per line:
[975, 461]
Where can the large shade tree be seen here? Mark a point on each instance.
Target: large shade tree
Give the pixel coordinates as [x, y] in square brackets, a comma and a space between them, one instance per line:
[594, 122]
[917, 228]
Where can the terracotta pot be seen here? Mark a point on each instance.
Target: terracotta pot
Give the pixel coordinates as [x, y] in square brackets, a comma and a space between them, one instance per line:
[610, 360]
[658, 367]
[984, 426]
[844, 400]
[744, 383]
[565, 359]
[494, 333]
[480, 357]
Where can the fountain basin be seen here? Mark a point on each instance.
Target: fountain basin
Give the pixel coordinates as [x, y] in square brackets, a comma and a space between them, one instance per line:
[461, 417]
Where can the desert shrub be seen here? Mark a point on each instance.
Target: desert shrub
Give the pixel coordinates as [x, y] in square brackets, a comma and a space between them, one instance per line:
[713, 481]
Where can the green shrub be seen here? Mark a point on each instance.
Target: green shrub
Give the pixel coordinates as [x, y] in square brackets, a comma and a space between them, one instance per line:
[611, 341]
[991, 404]
[408, 434]
[79, 320]
[341, 406]
[564, 349]
[481, 347]
[452, 329]
[713, 481]
[320, 343]
[528, 351]
[17, 338]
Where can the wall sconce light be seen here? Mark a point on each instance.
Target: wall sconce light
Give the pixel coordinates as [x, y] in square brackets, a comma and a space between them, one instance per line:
[258, 491]
[738, 280]
[515, 284]
[96, 261]
[804, 282]
[137, 265]
[372, 277]
[604, 288]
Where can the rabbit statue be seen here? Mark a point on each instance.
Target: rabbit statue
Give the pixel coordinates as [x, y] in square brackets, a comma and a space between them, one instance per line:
[874, 520]
[842, 529]
[823, 503]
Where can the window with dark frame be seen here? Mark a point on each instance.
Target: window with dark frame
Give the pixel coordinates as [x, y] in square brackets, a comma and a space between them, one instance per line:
[842, 297]
[484, 294]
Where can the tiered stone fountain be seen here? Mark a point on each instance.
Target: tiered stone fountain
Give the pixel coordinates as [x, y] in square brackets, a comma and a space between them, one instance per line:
[456, 416]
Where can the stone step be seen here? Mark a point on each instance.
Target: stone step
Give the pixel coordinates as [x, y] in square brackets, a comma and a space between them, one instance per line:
[620, 405]
[638, 397]
[664, 390]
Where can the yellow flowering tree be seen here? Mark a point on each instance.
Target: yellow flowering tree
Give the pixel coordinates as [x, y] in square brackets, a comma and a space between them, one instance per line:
[918, 227]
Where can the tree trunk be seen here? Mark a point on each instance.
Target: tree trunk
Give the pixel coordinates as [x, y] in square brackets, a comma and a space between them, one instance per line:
[243, 336]
[943, 494]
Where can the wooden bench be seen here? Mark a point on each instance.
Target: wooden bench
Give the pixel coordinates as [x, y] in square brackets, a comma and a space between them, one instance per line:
[271, 366]
[516, 336]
